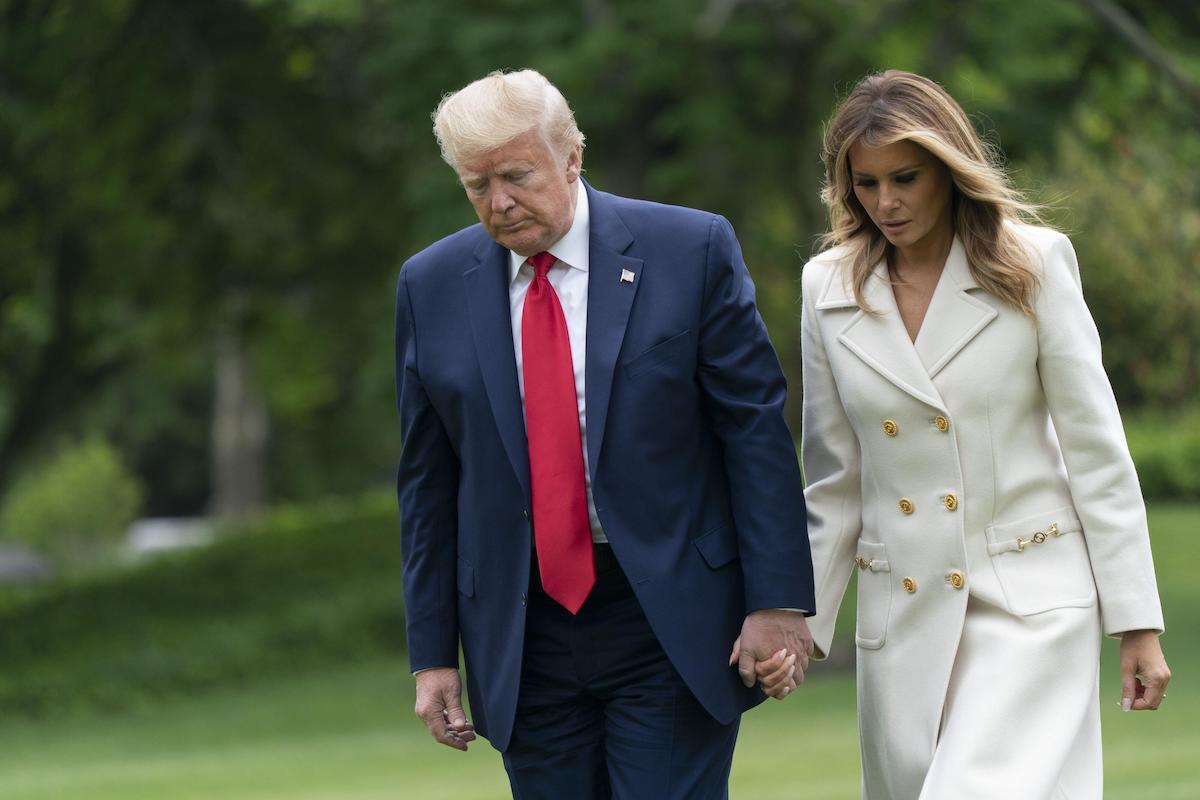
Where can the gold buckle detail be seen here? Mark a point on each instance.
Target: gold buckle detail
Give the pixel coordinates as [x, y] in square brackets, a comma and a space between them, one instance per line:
[1038, 537]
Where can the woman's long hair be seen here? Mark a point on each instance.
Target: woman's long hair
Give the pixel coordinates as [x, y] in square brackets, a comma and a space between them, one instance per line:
[896, 106]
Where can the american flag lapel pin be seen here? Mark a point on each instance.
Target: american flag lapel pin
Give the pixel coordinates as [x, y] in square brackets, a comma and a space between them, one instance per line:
[627, 276]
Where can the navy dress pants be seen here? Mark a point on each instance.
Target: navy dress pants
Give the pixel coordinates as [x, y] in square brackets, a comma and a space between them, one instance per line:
[601, 711]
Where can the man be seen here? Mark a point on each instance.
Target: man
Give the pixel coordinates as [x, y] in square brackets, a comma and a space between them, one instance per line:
[598, 492]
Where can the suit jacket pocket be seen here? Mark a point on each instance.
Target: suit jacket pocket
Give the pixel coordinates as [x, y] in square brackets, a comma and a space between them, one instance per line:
[666, 350]
[1042, 562]
[719, 547]
[466, 579]
[874, 594]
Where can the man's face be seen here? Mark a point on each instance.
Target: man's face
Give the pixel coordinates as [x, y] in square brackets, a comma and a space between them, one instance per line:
[522, 193]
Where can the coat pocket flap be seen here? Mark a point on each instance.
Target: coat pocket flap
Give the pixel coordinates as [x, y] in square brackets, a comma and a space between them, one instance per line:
[466, 579]
[1039, 529]
[874, 594]
[719, 547]
[872, 556]
[656, 354]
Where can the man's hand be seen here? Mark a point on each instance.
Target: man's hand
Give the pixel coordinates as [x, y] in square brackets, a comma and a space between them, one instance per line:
[774, 647]
[439, 705]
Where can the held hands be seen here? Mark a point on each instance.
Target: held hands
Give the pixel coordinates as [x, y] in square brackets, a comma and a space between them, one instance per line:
[773, 649]
[1144, 671]
[439, 705]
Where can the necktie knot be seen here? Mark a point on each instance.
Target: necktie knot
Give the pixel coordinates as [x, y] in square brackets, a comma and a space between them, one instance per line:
[541, 263]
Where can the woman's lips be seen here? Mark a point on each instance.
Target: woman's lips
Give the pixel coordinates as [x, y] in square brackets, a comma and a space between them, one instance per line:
[893, 227]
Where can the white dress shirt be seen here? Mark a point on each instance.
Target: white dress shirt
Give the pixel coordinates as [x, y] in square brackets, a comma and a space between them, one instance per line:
[569, 277]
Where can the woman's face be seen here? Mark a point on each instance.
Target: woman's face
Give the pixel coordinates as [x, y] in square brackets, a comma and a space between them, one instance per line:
[905, 190]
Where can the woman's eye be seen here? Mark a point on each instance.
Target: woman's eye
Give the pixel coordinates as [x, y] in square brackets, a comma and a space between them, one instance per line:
[907, 177]
[864, 183]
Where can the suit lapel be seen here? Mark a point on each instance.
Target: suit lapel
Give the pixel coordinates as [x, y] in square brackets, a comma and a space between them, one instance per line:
[491, 326]
[954, 317]
[613, 281]
[880, 339]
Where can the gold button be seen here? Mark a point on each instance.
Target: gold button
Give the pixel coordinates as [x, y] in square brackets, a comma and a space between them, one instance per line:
[863, 563]
[951, 502]
[910, 585]
[957, 579]
[906, 505]
[890, 427]
[942, 423]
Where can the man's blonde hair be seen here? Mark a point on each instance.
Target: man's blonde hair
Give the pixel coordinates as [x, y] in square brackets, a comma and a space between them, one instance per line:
[493, 111]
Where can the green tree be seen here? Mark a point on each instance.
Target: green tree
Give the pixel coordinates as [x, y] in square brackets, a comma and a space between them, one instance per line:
[75, 506]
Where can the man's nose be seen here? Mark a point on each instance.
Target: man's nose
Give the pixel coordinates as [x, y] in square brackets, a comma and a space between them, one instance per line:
[501, 200]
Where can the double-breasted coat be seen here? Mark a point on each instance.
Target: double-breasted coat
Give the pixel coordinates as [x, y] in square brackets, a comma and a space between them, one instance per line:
[978, 476]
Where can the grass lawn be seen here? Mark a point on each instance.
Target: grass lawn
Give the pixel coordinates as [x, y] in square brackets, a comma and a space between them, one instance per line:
[350, 734]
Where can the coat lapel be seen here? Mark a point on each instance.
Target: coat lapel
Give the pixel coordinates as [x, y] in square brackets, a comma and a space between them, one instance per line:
[954, 317]
[613, 281]
[491, 326]
[880, 339]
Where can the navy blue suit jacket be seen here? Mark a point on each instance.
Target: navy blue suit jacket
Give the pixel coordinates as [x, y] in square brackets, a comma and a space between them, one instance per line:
[694, 470]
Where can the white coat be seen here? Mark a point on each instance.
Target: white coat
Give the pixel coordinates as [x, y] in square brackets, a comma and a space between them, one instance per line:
[983, 464]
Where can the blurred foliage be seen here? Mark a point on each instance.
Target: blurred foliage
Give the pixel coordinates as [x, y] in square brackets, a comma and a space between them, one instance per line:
[1137, 236]
[73, 505]
[171, 169]
[1166, 449]
[306, 588]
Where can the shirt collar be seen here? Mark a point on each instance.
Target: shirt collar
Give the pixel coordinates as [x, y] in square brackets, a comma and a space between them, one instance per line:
[571, 249]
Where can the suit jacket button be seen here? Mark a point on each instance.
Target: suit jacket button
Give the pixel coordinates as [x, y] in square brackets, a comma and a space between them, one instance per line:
[524, 598]
[951, 502]
[890, 427]
[906, 505]
[941, 423]
[957, 579]
[910, 585]
[525, 511]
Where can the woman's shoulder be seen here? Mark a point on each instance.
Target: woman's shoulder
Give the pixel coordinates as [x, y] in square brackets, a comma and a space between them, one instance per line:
[1042, 239]
[1052, 255]
[822, 267]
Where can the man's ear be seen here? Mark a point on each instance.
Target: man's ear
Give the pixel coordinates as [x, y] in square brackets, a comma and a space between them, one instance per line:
[574, 163]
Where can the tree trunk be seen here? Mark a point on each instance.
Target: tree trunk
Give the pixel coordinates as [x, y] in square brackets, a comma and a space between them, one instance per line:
[239, 431]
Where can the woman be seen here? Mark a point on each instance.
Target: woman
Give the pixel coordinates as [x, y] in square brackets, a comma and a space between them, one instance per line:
[965, 456]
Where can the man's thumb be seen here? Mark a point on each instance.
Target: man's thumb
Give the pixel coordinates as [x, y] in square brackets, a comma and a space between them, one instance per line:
[746, 669]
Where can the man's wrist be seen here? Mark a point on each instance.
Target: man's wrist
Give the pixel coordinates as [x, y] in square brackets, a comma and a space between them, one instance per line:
[431, 669]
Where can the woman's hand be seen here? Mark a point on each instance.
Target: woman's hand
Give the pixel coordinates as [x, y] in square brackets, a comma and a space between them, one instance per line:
[776, 675]
[1144, 672]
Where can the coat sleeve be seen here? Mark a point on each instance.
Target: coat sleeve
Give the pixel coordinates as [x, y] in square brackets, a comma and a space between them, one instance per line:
[744, 391]
[1101, 475]
[831, 471]
[427, 492]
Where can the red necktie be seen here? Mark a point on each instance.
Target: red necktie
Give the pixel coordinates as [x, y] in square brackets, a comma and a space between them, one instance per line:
[561, 529]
